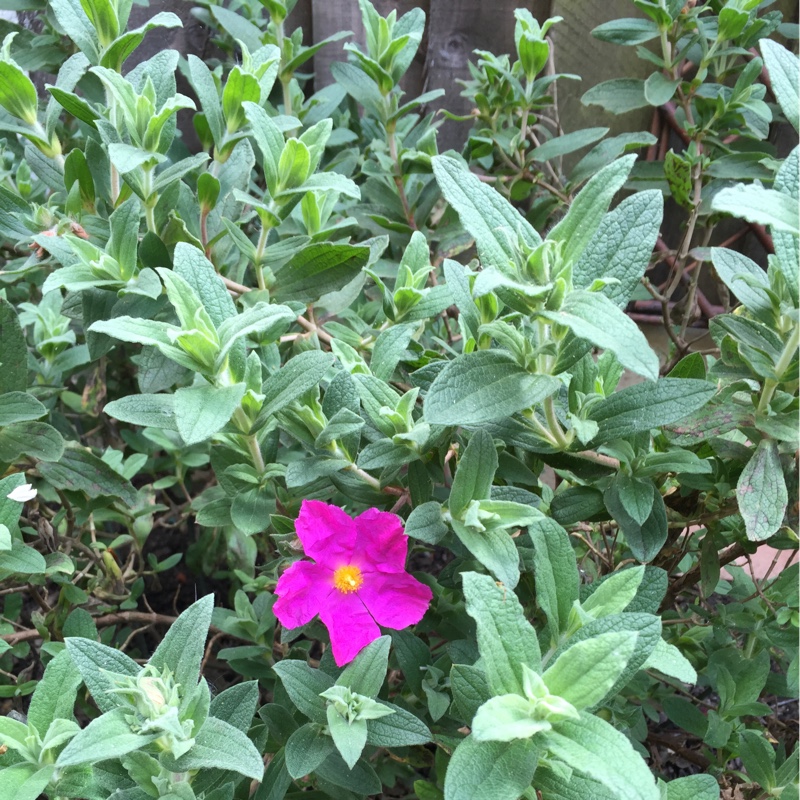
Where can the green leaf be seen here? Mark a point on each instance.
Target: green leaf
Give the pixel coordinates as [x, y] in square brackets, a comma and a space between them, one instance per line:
[658, 89]
[425, 523]
[304, 686]
[14, 355]
[585, 673]
[489, 217]
[266, 320]
[349, 737]
[360, 86]
[635, 495]
[221, 746]
[123, 46]
[490, 770]
[758, 758]
[494, 548]
[389, 348]
[182, 647]
[644, 406]
[306, 749]
[319, 269]
[693, 787]
[54, 697]
[482, 387]
[615, 592]
[740, 274]
[305, 53]
[757, 204]
[294, 165]
[558, 782]
[17, 92]
[575, 504]
[199, 272]
[626, 31]
[107, 736]
[617, 96]
[236, 26]
[277, 779]
[475, 472]
[14, 734]
[646, 539]
[206, 89]
[250, 510]
[293, 379]
[400, 729]
[74, 105]
[236, 705]
[590, 746]
[76, 170]
[594, 317]
[470, 689]
[667, 659]
[557, 577]
[127, 158]
[19, 406]
[95, 661]
[239, 87]
[202, 411]
[567, 143]
[306, 470]
[782, 67]
[761, 492]
[147, 410]
[362, 779]
[365, 675]
[647, 626]
[506, 718]
[80, 470]
[33, 439]
[22, 560]
[787, 247]
[25, 781]
[270, 142]
[585, 212]
[505, 638]
[621, 246]
[713, 420]
[124, 242]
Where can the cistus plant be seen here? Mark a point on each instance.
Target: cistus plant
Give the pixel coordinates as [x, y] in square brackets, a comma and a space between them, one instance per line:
[368, 400]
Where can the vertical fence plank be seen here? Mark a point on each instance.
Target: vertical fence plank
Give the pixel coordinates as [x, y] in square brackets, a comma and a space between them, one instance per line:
[328, 17]
[301, 17]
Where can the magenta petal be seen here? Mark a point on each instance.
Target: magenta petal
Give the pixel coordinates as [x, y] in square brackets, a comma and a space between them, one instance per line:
[302, 591]
[350, 626]
[381, 543]
[395, 600]
[327, 533]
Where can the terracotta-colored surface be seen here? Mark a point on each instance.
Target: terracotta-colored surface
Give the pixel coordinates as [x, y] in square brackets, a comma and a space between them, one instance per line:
[762, 560]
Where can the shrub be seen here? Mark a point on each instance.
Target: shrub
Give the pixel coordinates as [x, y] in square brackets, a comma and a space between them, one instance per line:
[207, 356]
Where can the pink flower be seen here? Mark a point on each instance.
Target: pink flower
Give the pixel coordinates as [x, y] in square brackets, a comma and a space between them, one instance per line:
[357, 581]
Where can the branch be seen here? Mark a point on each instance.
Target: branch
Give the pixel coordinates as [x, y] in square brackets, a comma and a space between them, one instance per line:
[691, 576]
[120, 617]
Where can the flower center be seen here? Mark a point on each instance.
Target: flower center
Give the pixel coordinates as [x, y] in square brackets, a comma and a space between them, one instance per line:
[347, 579]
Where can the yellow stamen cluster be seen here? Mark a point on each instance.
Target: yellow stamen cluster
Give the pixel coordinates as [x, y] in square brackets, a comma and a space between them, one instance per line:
[348, 579]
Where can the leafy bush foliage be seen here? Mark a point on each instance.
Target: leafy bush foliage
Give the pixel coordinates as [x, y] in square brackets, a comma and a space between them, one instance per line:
[319, 309]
